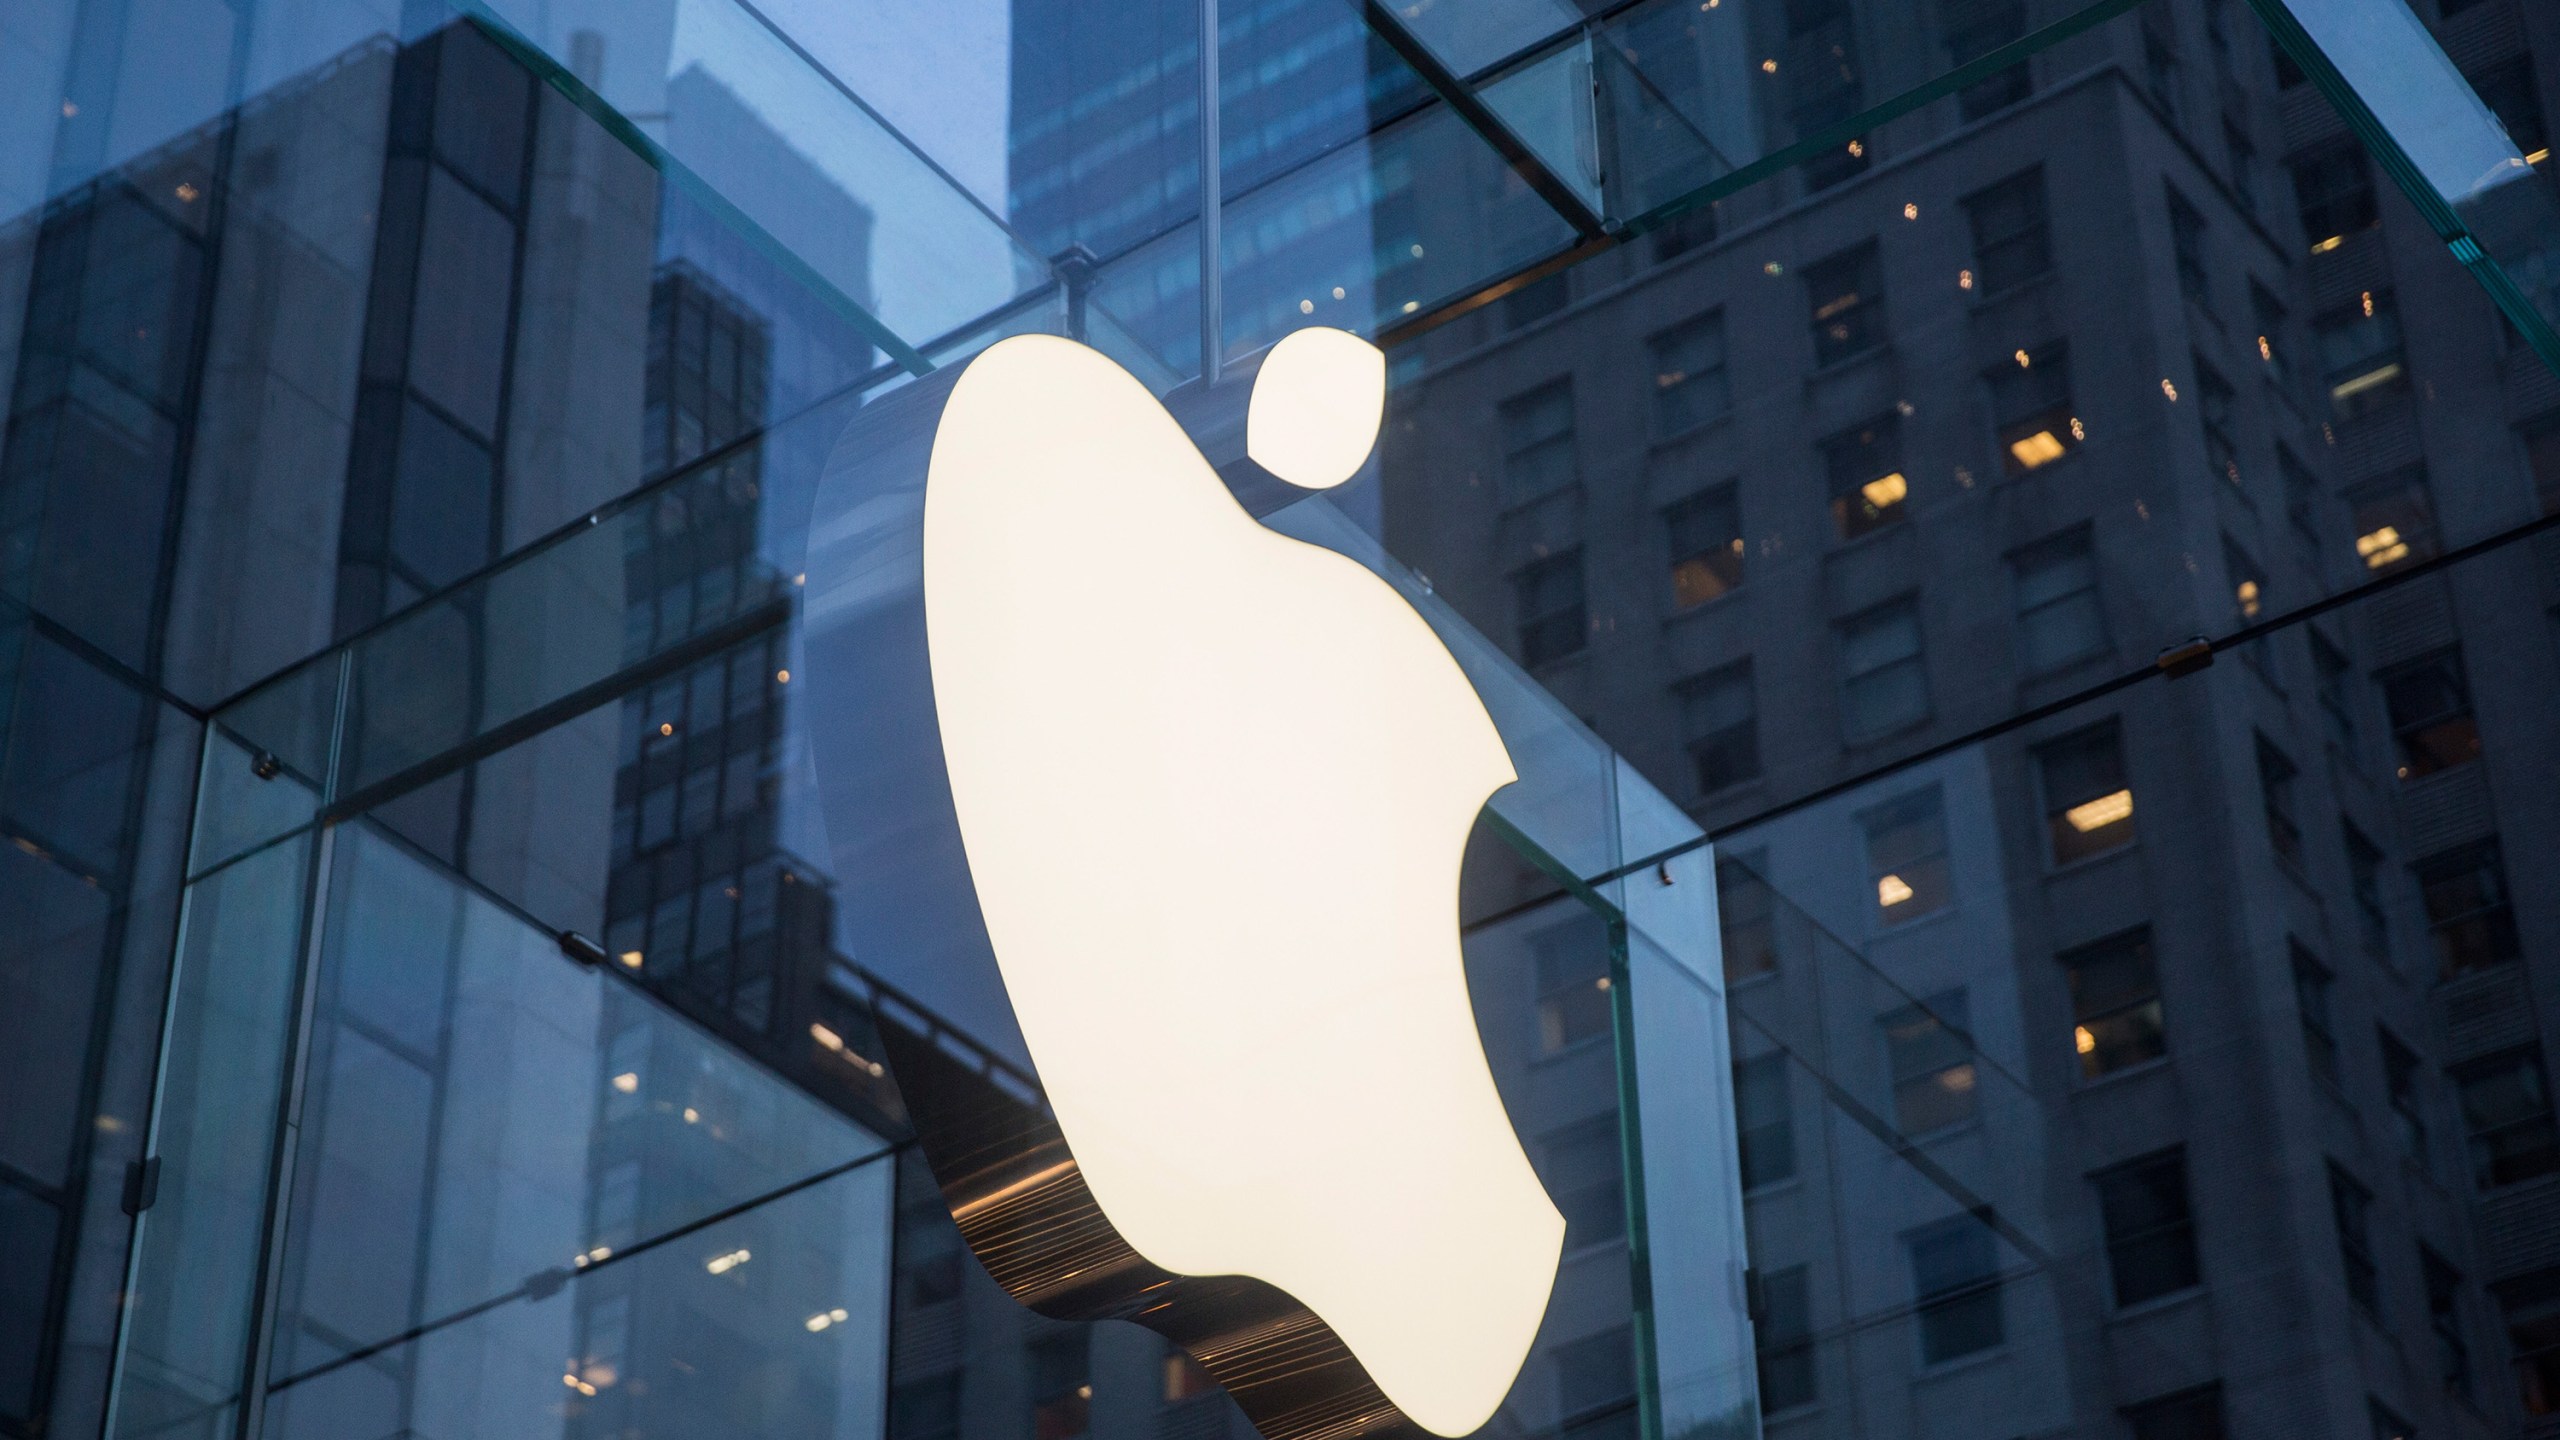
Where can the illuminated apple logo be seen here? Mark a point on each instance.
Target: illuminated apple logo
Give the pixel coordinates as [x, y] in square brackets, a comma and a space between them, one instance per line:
[1213, 784]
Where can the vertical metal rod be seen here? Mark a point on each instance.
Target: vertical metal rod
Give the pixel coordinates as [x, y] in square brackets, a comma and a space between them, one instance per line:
[1213, 319]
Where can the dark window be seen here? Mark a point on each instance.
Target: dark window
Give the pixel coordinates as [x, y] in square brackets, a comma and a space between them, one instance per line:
[2301, 493]
[2361, 360]
[2115, 1003]
[2430, 707]
[2532, 1307]
[2244, 160]
[2542, 457]
[1689, 382]
[2031, 408]
[1766, 1127]
[1907, 856]
[1720, 725]
[2275, 791]
[2394, 519]
[2444, 1317]
[2273, 351]
[2506, 1115]
[2288, 74]
[1553, 623]
[1537, 443]
[2056, 584]
[2333, 185]
[1782, 1335]
[1863, 468]
[2351, 1208]
[2215, 400]
[1821, 79]
[2400, 1068]
[1845, 295]
[2088, 804]
[1955, 1284]
[1706, 545]
[1595, 1373]
[1536, 300]
[1061, 1389]
[2151, 1231]
[1884, 685]
[2386, 1425]
[1690, 230]
[1584, 1176]
[2469, 912]
[2364, 877]
[2312, 984]
[1746, 911]
[2189, 1415]
[1573, 985]
[2508, 90]
[1932, 1063]
[2012, 234]
[1975, 28]
[2160, 62]
[2186, 242]
[925, 1409]
[2331, 673]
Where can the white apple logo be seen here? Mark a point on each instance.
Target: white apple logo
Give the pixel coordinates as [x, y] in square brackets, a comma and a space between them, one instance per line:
[1213, 784]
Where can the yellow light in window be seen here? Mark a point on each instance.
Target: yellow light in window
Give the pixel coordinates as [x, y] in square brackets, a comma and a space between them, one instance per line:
[692, 1116]
[825, 1036]
[723, 1264]
[2325, 246]
[1964, 279]
[626, 1082]
[2538, 156]
[2368, 304]
[2078, 430]
[2371, 379]
[630, 959]
[2086, 1042]
[666, 727]
[2104, 811]
[1892, 890]
[1768, 67]
[2024, 359]
[781, 677]
[1885, 490]
[2247, 593]
[1956, 1078]
[2037, 449]
[1910, 210]
[818, 1322]
[2169, 388]
[2265, 350]
[1412, 305]
[2382, 547]
[1857, 147]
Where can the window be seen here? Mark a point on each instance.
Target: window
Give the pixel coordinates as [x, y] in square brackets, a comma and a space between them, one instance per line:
[1782, 1336]
[1907, 856]
[2088, 804]
[1573, 985]
[2394, 519]
[2469, 913]
[1975, 28]
[1584, 1175]
[2408, 1106]
[1822, 86]
[2331, 671]
[2386, 1425]
[2031, 406]
[1955, 1284]
[2244, 159]
[2506, 1117]
[2364, 877]
[2214, 402]
[2275, 791]
[2508, 90]
[1689, 382]
[1720, 724]
[2429, 703]
[2012, 235]
[2056, 586]
[1883, 683]
[1746, 910]
[1864, 469]
[925, 1409]
[2115, 1004]
[2273, 351]
[2360, 356]
[1553, 623]
[2160, 62]
[2542, 457]
[1932, 1063]
[2532, 1306]
[1061, 1389]
[2333, 186]
[2312, 984]
[1184, 1378]
[2444, 1317]
[2248, 581]
[1536, 300]
[2186, 242]
[1537, 443]
[1706, 545]
[2151, 1231]
[1687, 231]
[2351, 1208]
[1766, 1126]
[1845, 295]
[2189, 1415]
[1594, 1373]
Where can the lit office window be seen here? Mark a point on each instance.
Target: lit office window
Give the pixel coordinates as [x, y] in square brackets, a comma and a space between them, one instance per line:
[2361, 360]
[2333, 186]
[1746, 911]
[1955, 1288]
[1765, 1124]
[1862, 469]
[1573, 986]
[2088, 802]
[1907, 856]
[1537, 443]
[1689, 381]
[1553, 621]
[2506, 1118]
[2215, 400]
[1844, 295]
[1884, 684]
[1782, 1341]
[2187, 1415]
[2444, 1320]
[2150, 1227]
[2276, 776]
[1931, 1059]
[2186, 244]
[2470, 913]
[2055, 582]
[1707, 549]
[1720, 725]
[2312, 984]
[2115, 1003]
[2429, 702]
[2393, 519]
[2351, 1210]
[2400, 1082]
[1585, 1177]
[2031, 408]
[2012, 234]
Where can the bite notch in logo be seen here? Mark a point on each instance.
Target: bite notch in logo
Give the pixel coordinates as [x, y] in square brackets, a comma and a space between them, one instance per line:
[1213, 785]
